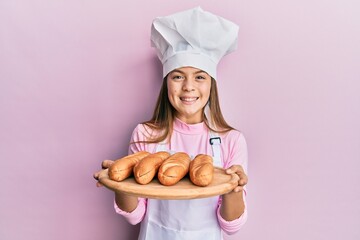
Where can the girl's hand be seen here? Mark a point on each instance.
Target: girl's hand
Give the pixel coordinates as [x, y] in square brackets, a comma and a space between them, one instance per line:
[104, 165]
[243, 179]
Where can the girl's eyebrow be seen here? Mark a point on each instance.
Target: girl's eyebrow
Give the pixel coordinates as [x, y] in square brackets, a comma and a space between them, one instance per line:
[179, 71]
[176, 70]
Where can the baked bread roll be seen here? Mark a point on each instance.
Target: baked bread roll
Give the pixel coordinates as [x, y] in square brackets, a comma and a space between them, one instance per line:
[201, 170]
[146, 169]
[174, 168]
[123, 167]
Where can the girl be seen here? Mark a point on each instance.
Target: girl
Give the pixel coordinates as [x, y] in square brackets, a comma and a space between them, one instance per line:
[187, 118]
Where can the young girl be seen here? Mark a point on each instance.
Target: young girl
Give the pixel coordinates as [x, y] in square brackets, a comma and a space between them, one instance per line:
[187, 118]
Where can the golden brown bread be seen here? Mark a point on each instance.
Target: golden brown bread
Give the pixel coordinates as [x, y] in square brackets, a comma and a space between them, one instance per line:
[146, 169]
[201, 170]
[123, 167]
[174, 168]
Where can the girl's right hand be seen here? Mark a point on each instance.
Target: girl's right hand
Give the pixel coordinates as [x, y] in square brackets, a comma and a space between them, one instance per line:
[104, 165]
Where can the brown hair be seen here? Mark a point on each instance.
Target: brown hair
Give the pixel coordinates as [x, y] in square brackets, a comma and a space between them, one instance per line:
[164, 114]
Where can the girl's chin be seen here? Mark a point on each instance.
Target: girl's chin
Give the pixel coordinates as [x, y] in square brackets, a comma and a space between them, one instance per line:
[190, 118]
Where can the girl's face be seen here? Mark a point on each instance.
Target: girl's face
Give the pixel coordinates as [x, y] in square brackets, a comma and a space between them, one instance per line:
[189, 91]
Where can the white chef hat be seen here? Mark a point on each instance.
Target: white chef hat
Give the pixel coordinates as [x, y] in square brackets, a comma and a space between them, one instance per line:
[193, 38]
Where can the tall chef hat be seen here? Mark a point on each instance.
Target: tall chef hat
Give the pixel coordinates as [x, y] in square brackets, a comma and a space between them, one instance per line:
[193, 38]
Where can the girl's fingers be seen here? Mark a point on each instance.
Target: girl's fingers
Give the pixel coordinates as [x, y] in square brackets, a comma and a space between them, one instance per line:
[238, 189]
[106, 164]
[243, 179]
[234, 169]
[237, 169]
[230, 170]
[96, 176]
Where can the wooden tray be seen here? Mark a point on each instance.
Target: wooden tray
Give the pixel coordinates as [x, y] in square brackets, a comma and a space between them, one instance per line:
[184, 189]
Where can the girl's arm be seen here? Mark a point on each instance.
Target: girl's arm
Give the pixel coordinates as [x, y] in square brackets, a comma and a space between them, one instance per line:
[133, 208]
[126, 202]
[233, 204]
[232, 211]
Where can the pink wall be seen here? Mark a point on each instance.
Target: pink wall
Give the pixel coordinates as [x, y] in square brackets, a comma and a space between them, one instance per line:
[76, 76]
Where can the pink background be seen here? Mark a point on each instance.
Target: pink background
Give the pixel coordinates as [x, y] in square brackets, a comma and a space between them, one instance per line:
[77, 76]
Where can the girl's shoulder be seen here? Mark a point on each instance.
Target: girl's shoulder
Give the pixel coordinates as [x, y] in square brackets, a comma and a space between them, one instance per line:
[145, 132]
[140, 137]
[233, 137]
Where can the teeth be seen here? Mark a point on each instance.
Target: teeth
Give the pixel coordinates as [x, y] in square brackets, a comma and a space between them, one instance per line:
[188, 99]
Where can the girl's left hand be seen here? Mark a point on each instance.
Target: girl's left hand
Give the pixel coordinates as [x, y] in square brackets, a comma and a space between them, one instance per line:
[243, 179]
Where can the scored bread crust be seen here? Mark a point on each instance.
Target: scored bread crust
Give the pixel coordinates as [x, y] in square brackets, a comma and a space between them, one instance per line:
[146, 169]
[201, 170]
[123, 167]
[174, 168]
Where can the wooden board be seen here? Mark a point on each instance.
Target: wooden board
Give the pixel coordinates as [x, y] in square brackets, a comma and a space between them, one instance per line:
[185, 189]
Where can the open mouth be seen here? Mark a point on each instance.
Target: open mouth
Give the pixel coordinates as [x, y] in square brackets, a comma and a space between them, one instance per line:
[188, 99]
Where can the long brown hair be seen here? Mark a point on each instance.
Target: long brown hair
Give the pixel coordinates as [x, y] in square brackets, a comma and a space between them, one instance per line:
[164, 114]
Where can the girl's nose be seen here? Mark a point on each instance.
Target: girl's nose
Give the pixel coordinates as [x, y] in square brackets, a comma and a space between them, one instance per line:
[188, 85]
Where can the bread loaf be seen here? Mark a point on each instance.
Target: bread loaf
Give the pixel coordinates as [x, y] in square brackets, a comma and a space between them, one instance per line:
[174, 168]
[147, 168]
[123, 167]
[201, 170]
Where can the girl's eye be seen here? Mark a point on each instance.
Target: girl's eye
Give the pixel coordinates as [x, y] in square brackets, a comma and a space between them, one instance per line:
[177, 77]
[200, 77]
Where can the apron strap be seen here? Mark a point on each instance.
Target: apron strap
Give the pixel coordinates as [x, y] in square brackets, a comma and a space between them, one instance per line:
[215, 142]
[161, 146]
